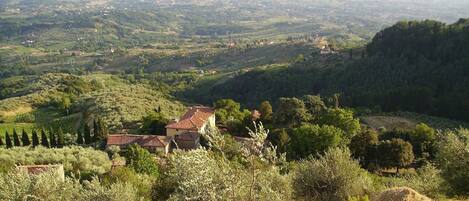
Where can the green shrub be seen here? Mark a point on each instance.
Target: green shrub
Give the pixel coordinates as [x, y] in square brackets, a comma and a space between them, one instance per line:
[142, 183]
[46, 186]
[453, 160]
[333, 176]
[76, 160]
[142, 161]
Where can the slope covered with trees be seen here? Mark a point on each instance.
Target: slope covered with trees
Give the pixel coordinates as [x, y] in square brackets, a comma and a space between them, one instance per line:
[419, 66]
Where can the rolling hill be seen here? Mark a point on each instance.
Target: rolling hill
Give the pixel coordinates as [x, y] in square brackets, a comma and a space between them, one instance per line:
[419, 66]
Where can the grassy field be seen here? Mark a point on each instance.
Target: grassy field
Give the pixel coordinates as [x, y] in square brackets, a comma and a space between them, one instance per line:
[408, 120]
[28, 127]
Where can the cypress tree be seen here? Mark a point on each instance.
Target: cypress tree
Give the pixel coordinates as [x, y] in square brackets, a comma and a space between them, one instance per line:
[100, 131]
[87, 134]
[8, 140]
[95, 131]
[44, 141]
[52, 139]
[16, 139]
[35, 139]
[79, 137]
[60, 138]
[25, 139]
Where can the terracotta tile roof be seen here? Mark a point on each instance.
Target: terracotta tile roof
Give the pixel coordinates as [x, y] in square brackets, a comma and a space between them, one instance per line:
[142, 140]
[194, 119]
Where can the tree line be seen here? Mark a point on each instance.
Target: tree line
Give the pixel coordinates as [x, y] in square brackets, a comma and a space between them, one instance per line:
[308, 126]
[56, 138]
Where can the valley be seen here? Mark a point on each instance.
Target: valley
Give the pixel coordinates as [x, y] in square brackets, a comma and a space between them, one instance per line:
[234, 99]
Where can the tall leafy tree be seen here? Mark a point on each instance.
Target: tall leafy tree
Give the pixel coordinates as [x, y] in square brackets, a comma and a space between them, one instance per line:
[281, 140]
[363, 146]
[228, 110]
[314, 105]
[35, 138]
[453, 159]
[79, 137]
[8, 142]
[395, 153]
[25, 139]
[266, 112]
[16, 139]
[313, 139]
[44, 141]
[343, 119]
[291, 112]
[87, 134]
[423, 139]
[154, 123]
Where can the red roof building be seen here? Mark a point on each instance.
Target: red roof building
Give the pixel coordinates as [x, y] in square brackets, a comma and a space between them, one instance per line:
[152, 143]
[188, 129]
[194, 119]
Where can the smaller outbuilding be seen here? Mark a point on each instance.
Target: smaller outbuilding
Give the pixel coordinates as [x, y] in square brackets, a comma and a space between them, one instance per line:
[153, 143]
[39, 169]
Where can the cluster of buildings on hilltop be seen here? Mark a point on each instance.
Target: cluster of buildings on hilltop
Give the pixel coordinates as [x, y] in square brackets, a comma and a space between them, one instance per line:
[183, 133]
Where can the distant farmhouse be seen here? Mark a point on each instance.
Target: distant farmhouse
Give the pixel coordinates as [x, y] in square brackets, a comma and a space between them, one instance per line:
[183, 133]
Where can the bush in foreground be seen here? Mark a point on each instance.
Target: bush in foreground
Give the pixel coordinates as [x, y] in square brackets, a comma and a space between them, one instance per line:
[46, 186]
[76, 160]
[333, 176]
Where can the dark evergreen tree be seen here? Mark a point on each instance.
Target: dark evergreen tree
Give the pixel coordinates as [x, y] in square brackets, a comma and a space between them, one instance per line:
[44, 141]
[1, 142]
[60, 138]
[35, 139]
[79, 137]
[16, 139]
[87, 134]
[52, 139]
[25, 139]
[8, 142]
[95, 130]
[100, 130]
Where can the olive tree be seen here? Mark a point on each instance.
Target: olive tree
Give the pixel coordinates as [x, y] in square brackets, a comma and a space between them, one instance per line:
[332, 176]
[453, 159]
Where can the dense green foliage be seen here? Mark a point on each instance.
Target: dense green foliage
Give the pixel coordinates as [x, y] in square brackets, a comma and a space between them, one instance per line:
[333, 176]
[208, 175]
[399, 72]
[140, 160]
[48, 186]
[313, 139]
[395, 153]
[76, 160]
[452, 157]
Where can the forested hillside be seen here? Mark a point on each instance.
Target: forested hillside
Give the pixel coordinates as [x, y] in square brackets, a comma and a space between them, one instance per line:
[420, 66]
